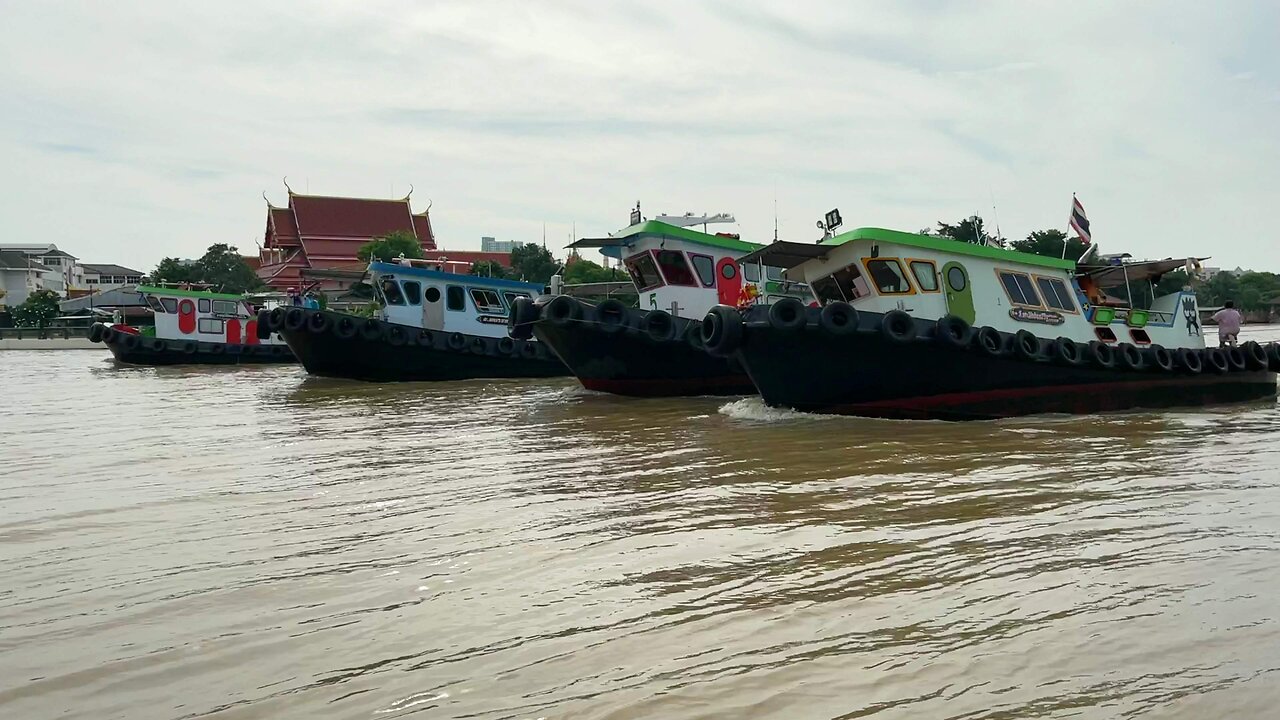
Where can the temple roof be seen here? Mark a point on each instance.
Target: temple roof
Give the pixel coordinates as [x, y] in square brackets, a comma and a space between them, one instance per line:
[335, 217]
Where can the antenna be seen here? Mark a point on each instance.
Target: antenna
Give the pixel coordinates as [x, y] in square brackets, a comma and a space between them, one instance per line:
[775, 212]
[995, 214]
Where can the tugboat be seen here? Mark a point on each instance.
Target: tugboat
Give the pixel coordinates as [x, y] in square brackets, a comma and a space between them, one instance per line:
[431, 324]
[911, 326]
[656, 350]
[192, 327]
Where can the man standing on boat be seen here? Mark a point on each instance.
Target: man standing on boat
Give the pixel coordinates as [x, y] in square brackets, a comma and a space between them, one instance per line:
[1228, 320]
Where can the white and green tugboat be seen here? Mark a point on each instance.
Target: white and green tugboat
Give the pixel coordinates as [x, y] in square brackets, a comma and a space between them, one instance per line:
[913, 326]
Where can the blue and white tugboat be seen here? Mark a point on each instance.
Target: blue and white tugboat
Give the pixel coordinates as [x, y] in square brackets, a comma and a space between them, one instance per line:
[431, 325]
[192, 327]
[911, 326]
[679, 273]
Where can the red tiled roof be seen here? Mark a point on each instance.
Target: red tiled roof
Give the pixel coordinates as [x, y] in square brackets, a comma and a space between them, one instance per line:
[334, 217]
[320, 250]
[282, 220]
[422, 226]
[471, 256]
[253, 261]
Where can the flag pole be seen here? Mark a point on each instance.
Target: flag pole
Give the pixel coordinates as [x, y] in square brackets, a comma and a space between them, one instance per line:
[1067, 236]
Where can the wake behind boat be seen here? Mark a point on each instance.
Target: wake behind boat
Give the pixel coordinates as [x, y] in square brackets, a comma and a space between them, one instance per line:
[430, 325]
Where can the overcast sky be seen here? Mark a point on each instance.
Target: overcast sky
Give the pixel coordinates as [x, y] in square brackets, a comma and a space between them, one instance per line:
[131, 131]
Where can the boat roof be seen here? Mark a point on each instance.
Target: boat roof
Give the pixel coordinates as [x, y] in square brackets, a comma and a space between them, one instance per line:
[1114, 275]
[787, 255]
[654, 228]
[383, 267]
[178, 292]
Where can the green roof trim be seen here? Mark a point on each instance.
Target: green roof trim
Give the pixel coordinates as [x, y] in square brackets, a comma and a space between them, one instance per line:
[660, 229]
[175, 292]
[948, 245]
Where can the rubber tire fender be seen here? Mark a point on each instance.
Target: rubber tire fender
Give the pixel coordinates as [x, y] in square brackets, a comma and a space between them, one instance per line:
[528, 350]
[990, 341]
[897, 326]
[457, 341]
[1159, 358]
[1273, 356]
[1130, 357]
[345, 327]
[129, 341]
[371, 330]
[693, 337]
[159, 345]
[1236, 359]
[659, 325]
[1101, 354]
[1190, 360]
[396, 335]
[506, 345]
[318, 323]
[953, 332]
[787, 315]
[295, 319]
[478, 346]
[275, 319]
[1066, 351]
[425, 339]
[721, 330]
[838, 318]
[95, 332]
[109, 334]
[1216, 361]
[1026, 345]
[562, 310]
[524, 313]
[1255, 357]
[189, 347]
[612, 316]
[262, 329]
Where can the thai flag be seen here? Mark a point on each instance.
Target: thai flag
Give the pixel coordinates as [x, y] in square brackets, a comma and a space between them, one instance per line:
[1079, 222]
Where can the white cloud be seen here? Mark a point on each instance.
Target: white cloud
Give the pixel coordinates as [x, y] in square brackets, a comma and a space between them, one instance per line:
[137, 130]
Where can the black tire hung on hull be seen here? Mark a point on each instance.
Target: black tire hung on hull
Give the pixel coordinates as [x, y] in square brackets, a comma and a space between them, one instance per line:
[263, 328]
[275, 319]
[1255, 357]
[1101, 354]
[425, 338]
[1190, 360]
[1216, 361]
[189, 347]
[95, 332]
[523, 315]
[478, 347]
[1273, 356]
[159, 345]
[109, 334]
[787, 315]
[295, 319]
[506, 345]
[396, 335]
[897, 326]
[1159, 358]
[612, 316]
[129, 341]
[345, 328]
[659, 326]
[693, 337]
[1236, 359]
[1026, 345]
[838, 318]
[953, 332]
[217, 348]
[989, 341]
[1066, 351]
[318, 323]
[457, 341]
[721, 330]
[1130, 357]
[562, 310]
[371, 330]
[528, 350]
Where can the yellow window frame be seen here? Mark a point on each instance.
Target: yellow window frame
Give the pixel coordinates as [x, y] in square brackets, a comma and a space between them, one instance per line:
[1035, 280]
[906, 275]
[937, 280]
[1034, 289]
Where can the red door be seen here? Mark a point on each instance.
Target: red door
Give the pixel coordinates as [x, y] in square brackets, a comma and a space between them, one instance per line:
[233, 331]
[728, 281]
[186, 317]
[251, 332]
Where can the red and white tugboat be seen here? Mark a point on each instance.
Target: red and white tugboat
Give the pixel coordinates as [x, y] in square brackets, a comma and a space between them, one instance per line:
[678, 273]
[911, 326]
[192, 327]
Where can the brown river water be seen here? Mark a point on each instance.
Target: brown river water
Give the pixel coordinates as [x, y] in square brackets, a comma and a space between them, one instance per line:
[257, 543]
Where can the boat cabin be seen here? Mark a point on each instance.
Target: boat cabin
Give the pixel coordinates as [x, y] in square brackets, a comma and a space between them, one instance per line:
[423, 294]
[879, 270]
[182, 314]
[686, 272]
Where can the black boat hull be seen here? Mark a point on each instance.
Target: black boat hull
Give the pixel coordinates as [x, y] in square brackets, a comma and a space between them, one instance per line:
[385, 352]
[867, 373]
[139, 350]
[624, 358]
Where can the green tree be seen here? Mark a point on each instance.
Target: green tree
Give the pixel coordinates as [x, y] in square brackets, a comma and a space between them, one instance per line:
[221, 268]
[970, 230]
[488, 268]
[39, 308]
[173, 270]
[584, 271]
[1172, 282]
[390, 247]
[532, 263]
[1049, 243]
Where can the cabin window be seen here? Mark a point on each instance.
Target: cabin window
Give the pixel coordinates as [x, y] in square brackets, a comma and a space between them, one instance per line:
[675, 269]
[926, 275]
[644, 271]
[413, 292]
[432, 294]
[706, 269]
[845, 284]
[155, 304]
[1055, 294]
[211, 325]
[511, 297]
[1019, 288]
[170, 305]
[956, 279]
[225, 307]
[888, 277]
[773, 273]
[391, 291]
[456, 298]
[487, 301]
[751, 271]
[203, 305]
